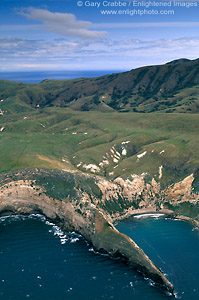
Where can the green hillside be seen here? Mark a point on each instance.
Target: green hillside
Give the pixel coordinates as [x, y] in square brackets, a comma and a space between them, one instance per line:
[172, 87]
[40, 127]
[66, 139]
[142, 122]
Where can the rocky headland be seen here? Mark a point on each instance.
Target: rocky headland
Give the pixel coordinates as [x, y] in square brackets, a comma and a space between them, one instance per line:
[91, 151]
[90, 205]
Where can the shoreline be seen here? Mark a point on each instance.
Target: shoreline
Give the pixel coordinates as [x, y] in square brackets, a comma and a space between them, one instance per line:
[22, 194]
[153, 211]
[142, 211]
[188, 219]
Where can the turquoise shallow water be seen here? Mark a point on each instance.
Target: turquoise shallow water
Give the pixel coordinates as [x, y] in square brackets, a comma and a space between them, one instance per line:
[39, 261]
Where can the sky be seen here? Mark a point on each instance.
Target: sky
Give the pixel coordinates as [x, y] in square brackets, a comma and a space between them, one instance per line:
[49, 35]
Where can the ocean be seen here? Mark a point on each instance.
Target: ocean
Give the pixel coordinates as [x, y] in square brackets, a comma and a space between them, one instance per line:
[40, 261]
[36, 77]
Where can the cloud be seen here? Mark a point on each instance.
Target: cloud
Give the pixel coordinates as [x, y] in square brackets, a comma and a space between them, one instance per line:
[63, 54]
[16, 47]
[19, 27]
[63, 23]
[147, 25]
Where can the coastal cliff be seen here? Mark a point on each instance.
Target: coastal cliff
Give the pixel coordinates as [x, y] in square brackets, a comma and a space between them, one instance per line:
[90, 205]
[89, 152]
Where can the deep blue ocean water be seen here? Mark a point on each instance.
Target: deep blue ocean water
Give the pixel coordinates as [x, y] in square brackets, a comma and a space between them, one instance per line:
[39, 261]
[36, 77]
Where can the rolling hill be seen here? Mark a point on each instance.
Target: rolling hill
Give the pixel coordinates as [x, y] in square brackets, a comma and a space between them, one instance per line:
[90, 151]
[172, 87]
[85, 125]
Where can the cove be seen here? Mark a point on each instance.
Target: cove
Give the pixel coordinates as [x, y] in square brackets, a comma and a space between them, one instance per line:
[173, 245]
[39, 261]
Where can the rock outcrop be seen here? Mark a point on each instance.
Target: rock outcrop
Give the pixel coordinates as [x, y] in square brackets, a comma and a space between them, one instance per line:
[89, 205]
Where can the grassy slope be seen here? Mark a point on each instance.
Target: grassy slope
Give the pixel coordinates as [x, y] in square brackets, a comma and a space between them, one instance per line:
[44, 138]
[164, 88]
